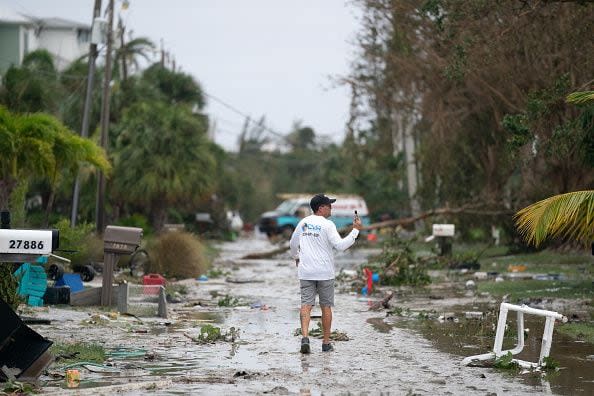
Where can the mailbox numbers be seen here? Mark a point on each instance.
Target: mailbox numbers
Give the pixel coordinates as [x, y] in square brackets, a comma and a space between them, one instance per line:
[25, 241]
[21, 244]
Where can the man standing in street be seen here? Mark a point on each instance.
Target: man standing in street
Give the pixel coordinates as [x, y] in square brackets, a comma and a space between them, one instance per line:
[311, 245]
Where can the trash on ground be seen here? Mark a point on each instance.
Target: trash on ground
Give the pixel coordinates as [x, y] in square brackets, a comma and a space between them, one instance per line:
[336, 335]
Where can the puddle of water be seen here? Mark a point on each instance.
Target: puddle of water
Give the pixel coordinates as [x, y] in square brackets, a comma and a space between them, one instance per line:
[470, 337]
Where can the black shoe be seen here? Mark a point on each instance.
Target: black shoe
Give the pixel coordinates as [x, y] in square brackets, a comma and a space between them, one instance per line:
[305, 345]
[327, 347]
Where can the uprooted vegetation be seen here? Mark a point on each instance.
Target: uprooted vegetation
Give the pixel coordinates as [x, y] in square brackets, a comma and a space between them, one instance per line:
[398, 265]
[318, 332]
[210, 334]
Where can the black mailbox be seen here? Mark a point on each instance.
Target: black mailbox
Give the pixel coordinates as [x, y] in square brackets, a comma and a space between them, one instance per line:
[121, 240]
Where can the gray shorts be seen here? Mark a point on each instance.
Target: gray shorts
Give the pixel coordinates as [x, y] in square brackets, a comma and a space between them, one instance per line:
[324, 289]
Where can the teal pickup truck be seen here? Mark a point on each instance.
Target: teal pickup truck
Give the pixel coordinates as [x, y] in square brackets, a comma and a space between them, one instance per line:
[285, 217]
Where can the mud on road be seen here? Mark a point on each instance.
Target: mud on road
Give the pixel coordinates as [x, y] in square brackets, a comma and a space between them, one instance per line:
[378, 358]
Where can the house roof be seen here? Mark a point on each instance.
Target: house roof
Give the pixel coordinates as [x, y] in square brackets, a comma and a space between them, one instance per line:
[60, 23]
[10, 16]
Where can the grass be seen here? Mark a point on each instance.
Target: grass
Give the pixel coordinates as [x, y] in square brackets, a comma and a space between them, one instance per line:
[579, 331]
[520, 289]
[67, 353]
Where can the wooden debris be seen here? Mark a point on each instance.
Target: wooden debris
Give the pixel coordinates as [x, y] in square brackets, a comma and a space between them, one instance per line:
[384, 303]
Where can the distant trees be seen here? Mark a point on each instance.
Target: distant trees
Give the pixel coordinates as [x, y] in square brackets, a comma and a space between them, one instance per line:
[481, 87]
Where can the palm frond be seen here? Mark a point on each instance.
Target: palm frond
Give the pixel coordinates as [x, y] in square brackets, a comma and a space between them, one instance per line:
[580, 97]
[568, 215]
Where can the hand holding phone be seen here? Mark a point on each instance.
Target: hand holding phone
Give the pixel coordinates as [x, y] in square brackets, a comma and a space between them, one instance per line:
[357, 221]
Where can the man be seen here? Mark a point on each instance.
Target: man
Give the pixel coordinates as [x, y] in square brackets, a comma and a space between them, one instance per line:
[311, 245]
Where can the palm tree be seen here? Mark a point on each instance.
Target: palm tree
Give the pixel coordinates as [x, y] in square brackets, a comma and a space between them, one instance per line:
[129, 52]
[569, 215]
[163, 159]
[38, 145]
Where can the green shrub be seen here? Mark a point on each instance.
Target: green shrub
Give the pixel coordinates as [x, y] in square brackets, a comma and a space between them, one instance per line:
[82, 240]
[139, 221]
[398, 265]
[178, 254]
[8, 286]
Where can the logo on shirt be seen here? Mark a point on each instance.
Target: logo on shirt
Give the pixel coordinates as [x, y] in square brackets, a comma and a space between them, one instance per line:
[311, 227]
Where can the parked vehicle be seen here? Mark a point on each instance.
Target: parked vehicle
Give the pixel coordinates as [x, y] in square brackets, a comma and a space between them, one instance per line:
[285, 217]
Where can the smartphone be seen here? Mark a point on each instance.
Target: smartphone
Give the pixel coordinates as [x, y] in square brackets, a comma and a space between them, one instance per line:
[356, 215]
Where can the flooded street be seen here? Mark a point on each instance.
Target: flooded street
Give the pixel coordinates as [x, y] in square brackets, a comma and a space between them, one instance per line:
[383, 355]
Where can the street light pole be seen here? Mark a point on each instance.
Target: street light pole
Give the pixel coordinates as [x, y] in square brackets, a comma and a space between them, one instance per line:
[105, 101]
[84, 132]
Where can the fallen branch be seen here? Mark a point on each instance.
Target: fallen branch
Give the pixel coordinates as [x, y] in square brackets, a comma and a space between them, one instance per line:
[470, 209]
[383, 303]
[263, 255]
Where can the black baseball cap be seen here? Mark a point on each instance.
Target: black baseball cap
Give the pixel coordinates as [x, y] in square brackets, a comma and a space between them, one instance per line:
[319, 200]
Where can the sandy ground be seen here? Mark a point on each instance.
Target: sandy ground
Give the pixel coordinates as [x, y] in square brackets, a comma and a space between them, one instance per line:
[265, 359]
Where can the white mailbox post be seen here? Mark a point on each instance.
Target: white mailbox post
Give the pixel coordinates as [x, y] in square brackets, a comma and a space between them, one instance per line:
[444, 234]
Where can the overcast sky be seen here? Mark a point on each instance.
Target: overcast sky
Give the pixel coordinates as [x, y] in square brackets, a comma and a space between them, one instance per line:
[264, 57]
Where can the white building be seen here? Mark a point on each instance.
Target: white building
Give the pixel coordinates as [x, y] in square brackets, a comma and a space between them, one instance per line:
[21, 34]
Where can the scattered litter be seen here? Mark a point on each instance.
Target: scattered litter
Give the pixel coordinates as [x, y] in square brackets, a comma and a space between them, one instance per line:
[590, 357]
[243, 280]
[516, 268]
[470, 284]
[473, 315]
[203, 278]
[278, 390]
[72, 378]
[448, 317]
[349, 273]
[549, 277]
[318, 333]
[499, 279]
[480, 275]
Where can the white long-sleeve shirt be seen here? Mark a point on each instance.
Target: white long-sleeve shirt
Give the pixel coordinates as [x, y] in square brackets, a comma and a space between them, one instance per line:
[312, 243]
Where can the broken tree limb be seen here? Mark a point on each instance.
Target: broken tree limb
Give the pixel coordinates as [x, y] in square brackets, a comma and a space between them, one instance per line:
[384, 303]
[263, 255]
[469, 209]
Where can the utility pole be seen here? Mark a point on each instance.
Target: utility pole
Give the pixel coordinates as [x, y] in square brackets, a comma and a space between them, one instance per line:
[84, 132]
[105, 101]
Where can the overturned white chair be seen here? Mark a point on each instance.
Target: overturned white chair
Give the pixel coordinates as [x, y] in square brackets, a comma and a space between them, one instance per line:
[547, 337]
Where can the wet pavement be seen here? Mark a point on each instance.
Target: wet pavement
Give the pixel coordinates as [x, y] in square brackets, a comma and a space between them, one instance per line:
[380, 358]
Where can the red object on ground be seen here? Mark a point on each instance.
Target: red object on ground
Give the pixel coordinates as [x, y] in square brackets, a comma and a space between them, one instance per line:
[369, 276]
[153, 280]
[372, 237]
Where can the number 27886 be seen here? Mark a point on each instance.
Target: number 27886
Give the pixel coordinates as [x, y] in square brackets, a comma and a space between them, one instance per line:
[23, 244]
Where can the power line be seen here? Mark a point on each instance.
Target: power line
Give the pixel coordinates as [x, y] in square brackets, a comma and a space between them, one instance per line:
[247, 117]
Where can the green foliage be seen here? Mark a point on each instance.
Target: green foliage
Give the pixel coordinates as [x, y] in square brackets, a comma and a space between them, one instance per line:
[178, 254]
[550, 364]
[398, 265]
[12, 387]
[229, 301]
[136, 220]
[67, 353]
[82, 240]
[8, 286]
[538, 289]
[318, 332]
[580, 331]
[210, 334]
[162, 159]
[506, 362]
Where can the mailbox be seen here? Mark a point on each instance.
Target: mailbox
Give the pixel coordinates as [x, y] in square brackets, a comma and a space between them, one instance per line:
[27, 245]
[121, 240]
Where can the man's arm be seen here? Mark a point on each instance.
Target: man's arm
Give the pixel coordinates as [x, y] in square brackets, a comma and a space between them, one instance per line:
[344, 243]
[294, 243]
